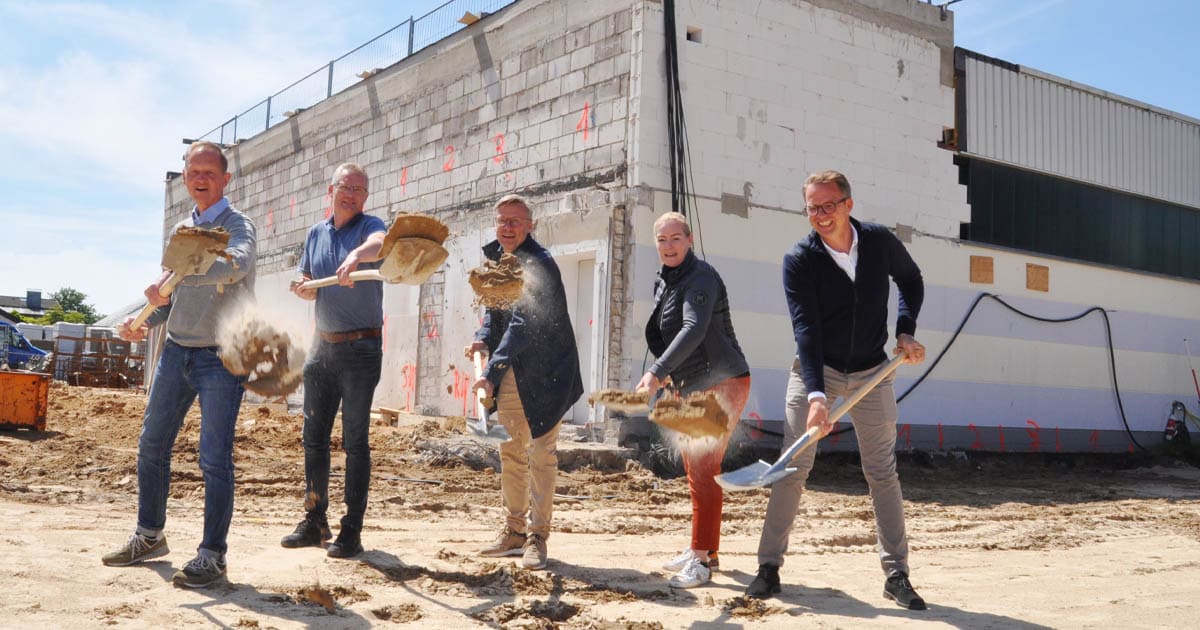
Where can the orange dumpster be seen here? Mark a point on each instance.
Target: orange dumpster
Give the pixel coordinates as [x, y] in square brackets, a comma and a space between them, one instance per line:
[23, 399]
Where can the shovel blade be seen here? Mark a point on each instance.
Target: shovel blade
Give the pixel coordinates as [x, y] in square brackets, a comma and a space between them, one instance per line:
[756, 475]
[192, 250]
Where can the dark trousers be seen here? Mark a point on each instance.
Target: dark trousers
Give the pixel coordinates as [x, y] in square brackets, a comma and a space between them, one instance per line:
[339, 374]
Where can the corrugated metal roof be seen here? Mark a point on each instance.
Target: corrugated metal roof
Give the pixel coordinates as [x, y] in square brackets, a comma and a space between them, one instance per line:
[1045, 123]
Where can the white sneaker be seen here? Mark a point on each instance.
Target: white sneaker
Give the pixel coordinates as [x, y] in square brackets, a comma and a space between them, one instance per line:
[692, 575]
[678, 562]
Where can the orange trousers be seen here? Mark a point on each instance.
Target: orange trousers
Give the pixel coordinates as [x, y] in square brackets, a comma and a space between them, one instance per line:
[702, 468]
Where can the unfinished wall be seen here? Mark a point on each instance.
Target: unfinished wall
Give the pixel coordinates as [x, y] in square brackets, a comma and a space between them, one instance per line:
[531, 100]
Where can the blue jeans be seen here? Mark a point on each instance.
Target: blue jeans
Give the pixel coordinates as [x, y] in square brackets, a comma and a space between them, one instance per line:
[182, 375]
[346, 374]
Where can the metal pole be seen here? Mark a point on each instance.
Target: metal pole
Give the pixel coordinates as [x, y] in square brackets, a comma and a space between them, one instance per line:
[267, 122]
[329, 87]
[412, 26]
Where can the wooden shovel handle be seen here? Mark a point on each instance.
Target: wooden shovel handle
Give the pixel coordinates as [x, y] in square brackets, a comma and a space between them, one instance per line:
[480, 408]
[366, 274]
[165, 289]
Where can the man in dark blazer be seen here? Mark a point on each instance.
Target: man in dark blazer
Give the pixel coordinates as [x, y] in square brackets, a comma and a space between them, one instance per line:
[532, 373]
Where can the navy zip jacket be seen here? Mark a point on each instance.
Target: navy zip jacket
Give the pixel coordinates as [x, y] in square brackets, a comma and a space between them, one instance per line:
[535, 340]
[840, 323]
[690, 330]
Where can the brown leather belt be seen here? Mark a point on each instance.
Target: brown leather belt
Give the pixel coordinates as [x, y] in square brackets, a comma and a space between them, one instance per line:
[351, 335]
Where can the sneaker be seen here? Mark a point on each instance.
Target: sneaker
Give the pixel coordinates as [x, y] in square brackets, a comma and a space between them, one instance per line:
[137, 549]
[693, 574]
[509, 543]
[347, 545]
[534, 556]
[678, 562]
[309, 533]
[199, 572]
[898, 588]
[766, 583]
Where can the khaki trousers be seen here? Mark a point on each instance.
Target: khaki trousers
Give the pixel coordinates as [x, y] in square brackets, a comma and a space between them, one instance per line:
[874, 419]
[528, 466]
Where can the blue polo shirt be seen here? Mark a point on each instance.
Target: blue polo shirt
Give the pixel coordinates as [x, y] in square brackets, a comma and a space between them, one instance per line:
[339, 308]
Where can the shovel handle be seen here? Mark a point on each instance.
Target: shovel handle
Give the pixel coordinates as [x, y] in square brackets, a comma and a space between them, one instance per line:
[812, 435]
[165, 289]
[481, 410]
[366, 274]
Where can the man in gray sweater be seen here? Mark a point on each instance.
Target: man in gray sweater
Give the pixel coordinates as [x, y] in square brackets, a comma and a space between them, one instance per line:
[189, 368]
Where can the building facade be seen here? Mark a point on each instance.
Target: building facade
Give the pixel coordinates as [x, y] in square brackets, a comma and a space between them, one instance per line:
[566, 103]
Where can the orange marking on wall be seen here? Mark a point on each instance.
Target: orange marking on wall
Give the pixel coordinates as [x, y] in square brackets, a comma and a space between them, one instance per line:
[905, 432]
[1035, 436]
[584, 122]
[449, 163]
[499, 157]
[462, 388]
[408, 384]
[978, 443]
[756, 432]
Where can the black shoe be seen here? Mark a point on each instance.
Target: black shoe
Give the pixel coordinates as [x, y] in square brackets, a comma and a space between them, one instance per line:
[766, 583]
[900, 589]
[347, 544]
[309, 533]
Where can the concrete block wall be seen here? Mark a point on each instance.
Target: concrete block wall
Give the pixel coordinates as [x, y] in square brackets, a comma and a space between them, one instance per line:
[774, 90]
[532, 100]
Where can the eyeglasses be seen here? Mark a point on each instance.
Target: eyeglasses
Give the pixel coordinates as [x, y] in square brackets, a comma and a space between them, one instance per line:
[511, 223]
[825, 208]
[357, 190]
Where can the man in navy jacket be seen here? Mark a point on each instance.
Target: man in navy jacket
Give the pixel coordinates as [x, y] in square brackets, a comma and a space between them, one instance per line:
[836, 283]
[533, 375]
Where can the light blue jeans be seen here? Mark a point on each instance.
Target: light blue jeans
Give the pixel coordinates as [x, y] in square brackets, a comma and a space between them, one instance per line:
[182, 375]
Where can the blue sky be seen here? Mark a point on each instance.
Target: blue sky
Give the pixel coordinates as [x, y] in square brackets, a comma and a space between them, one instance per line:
[96, 96]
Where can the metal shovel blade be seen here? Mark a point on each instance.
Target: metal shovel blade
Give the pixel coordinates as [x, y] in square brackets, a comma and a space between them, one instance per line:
[761, 474]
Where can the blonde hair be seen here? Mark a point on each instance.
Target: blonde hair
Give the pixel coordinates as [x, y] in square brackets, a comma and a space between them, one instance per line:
[829, 177]
[667, 217]
[513, 198]
[347, 168]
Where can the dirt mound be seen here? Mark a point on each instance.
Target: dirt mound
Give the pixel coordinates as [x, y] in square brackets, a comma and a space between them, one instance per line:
[696, 415]
[267, 355]
[498, 284]
[621, 400]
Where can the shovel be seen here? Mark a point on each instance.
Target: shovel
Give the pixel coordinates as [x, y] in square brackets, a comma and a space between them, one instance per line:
[761, 473]
[410, 261]
[190, 252]
[481, 408]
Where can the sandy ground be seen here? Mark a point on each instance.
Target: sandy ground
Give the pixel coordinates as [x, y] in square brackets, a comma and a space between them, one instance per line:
[997, 543]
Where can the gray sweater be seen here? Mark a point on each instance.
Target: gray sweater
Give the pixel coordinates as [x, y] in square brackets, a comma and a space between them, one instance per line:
[199, 301]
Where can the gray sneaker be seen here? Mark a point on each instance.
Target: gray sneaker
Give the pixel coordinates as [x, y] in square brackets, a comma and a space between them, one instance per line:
[199, 572]
[534, 555]
[508, 543]
[137, 549]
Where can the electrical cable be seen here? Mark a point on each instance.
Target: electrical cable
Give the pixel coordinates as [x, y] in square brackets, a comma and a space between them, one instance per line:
[683, 184]
[1112, 361]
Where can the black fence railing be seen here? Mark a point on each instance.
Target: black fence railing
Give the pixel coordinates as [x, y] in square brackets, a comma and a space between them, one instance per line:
[395, 44]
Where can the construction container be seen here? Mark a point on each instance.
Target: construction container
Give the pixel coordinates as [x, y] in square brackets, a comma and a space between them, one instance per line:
[23, 399]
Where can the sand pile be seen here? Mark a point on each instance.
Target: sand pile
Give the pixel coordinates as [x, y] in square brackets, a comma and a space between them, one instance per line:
[498, 284]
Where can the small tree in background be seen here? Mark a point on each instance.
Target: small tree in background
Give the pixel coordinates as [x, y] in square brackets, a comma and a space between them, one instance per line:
[72, 307]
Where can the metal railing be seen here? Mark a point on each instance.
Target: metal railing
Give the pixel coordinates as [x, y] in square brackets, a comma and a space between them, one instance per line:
[395, 44]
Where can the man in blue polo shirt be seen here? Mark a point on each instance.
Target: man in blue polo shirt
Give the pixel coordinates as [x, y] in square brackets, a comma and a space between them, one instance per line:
[344, 365]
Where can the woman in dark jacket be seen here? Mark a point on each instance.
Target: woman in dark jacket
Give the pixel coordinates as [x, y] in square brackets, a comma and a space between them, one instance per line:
[691, 335]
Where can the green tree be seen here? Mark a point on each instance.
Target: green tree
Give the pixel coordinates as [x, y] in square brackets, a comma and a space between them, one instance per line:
[57, 314]
[72, 307]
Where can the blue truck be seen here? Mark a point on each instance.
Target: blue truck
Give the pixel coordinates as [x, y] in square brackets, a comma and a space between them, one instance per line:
[17, 353]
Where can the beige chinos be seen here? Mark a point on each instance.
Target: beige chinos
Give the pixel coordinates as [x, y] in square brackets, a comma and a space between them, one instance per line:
[528, 466]
[874, 419]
